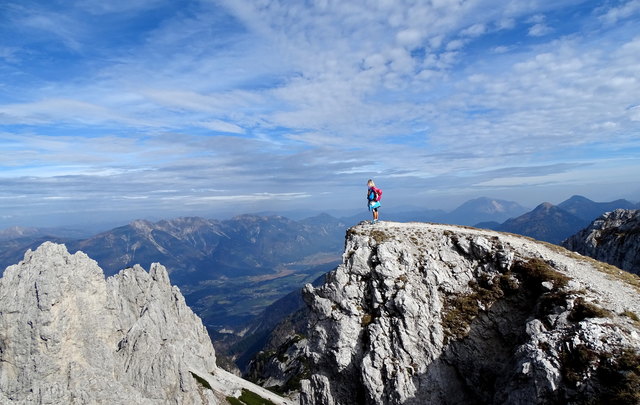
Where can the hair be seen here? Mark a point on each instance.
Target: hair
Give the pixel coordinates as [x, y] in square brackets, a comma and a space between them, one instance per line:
[370, 183]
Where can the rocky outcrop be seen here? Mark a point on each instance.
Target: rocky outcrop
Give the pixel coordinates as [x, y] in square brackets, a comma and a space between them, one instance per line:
[613, 238]
[68, 336]
[427, 313]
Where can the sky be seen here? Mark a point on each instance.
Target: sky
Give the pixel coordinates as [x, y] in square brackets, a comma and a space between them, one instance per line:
[111, 111]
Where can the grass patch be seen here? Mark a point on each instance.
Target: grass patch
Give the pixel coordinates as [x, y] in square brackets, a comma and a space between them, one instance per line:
[379, 236]
[536, 271]
[353, 232]
[602, 378]
[583, 309]
[616, 273]
[550, 301]
[366, 320]
[631, 315]
[576, 363]
[294, 383]
[461, 309]
[621, 379]
[234, 401]
[201, 381]
[250, 398]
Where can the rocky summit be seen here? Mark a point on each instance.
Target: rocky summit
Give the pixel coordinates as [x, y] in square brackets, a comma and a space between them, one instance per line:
[613, 238]
[68, 336]
[440, 314]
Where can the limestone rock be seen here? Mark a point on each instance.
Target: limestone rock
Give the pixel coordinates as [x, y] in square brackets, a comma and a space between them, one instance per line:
[613, 238]
[68, 336]
[439, 314]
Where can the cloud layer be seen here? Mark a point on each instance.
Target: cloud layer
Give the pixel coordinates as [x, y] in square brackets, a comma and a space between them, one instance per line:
[168, 108]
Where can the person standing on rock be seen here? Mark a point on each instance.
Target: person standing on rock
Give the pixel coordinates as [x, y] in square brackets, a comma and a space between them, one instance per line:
[373, 198]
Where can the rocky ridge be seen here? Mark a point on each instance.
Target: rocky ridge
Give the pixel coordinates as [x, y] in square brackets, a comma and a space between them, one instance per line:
[431, 313]
[67, 335]
[613, 238]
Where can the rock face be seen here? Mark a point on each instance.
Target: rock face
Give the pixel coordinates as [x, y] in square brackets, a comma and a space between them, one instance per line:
[68, 336]
[439, 314]
[613, 238]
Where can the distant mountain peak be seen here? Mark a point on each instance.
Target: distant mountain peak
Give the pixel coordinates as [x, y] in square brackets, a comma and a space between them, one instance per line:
[546, 222]
[578, 198]
[545, 206]
[589, 210]
[142, 225]
[484, 209]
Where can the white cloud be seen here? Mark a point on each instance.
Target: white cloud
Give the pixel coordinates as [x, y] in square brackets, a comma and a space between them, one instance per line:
[501, 49]
[64, 28]
[250, 197]
[66, 110]
[626, 10]
[9, 54]
[474, 31]
[409, 38]
[221, 126]
[634, 113]
[540, 30]
[118, 6]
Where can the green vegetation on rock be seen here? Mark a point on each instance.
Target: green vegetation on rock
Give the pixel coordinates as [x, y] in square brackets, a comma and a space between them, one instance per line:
[249, 398]
[201, 380]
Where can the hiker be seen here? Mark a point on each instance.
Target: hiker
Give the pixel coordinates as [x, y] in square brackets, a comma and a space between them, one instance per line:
[373, 198]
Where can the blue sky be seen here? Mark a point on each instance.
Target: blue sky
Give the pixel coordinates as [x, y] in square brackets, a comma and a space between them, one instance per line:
[160, 108]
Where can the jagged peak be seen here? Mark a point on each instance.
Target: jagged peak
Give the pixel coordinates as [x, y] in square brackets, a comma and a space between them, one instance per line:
[128, 339]
[54, 257]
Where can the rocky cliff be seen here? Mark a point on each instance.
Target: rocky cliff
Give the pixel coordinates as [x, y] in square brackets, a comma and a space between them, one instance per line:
[68, 336]
[613, 238]
[426, 313]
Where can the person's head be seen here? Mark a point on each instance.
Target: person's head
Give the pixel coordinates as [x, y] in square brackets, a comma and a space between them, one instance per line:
[370, 183]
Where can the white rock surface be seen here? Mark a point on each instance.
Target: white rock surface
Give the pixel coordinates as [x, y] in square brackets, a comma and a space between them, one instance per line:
[380, 328]
[613, 238]
[68, 336]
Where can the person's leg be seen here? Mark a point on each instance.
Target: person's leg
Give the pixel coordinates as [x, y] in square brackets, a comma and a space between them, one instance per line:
[375, 214]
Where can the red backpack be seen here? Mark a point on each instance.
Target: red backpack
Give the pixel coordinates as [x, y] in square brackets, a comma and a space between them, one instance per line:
[377, 194]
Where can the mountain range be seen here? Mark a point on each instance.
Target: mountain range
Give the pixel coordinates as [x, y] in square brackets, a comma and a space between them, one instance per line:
[470, 212]
[554, 223]
[415, 313]
[230, 270]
